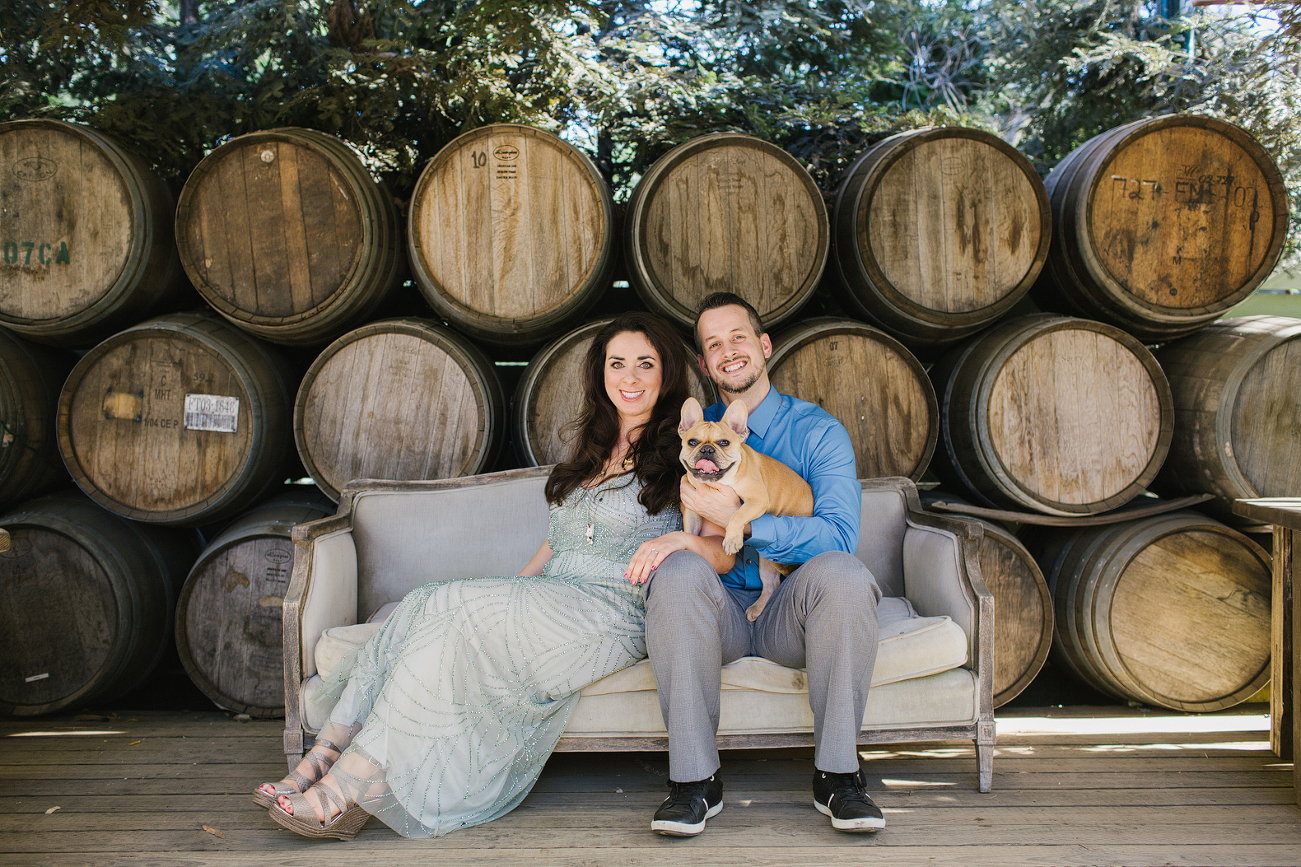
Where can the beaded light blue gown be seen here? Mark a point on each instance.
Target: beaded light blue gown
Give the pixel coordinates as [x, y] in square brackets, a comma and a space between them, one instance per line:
[463, 693]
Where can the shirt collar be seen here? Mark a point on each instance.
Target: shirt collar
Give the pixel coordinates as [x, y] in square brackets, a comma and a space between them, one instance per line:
[764, 413]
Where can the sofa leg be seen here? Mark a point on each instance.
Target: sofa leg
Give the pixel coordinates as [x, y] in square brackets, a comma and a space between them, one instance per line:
[294, 749]
[985, 738]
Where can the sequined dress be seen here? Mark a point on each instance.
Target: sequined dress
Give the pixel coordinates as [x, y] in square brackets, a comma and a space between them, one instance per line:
[464, 692]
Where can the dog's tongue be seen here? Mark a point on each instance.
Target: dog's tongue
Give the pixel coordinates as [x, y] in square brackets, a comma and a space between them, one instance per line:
[706, 466]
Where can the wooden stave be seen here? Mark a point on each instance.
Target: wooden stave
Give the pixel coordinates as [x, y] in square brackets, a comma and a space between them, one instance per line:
[665, 305]
[1053, 549]
[1101, 554]
[151, 275]
[267, 378]
[792, 340]
[1204, 452]
[997, 544]
[864, 290]
[963, 369]
[271, 519]
[524, 401]
[1074, 284]
[374, 277]
[486, 387]
[145, 564]
[31, 376]
[501, 330]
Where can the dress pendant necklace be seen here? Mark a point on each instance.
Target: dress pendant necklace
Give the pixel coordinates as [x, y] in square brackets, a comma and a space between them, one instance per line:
[591, 504]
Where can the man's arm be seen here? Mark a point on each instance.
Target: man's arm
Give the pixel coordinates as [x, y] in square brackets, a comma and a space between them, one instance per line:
[837, 503]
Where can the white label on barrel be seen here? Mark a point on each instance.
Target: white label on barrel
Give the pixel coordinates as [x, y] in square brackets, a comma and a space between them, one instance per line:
[36, 677]
[211, 412]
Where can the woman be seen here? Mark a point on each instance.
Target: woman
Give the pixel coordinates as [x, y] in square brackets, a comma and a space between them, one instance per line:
[451, 710]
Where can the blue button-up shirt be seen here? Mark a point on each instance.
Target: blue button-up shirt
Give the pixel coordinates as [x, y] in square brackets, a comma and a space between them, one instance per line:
[814, 444]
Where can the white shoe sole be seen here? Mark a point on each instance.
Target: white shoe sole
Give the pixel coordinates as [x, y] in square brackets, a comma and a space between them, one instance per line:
[867, 823]
[682, 829]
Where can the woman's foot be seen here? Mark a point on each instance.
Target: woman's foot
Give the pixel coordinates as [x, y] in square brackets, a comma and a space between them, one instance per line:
[323, 810]
[325, 797]
[317, 762]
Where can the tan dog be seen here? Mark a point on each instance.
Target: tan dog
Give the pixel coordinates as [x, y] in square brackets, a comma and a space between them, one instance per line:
[715, 452]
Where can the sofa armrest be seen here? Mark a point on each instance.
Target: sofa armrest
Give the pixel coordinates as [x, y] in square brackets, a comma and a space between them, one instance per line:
[324, 575]
[942, 576]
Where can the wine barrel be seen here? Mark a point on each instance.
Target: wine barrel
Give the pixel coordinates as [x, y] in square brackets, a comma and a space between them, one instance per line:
[1237, 411]
[550, 395]
[871, 383]
[228, 625]
[30, 379]
[88, 603]
[938, 232]
[285, 233]
[726, 213]
[183, 419]
[1171, 611]
[1023, 605]
[1053, 414]
[1161, 225]
[511, 233]
[86, 239]
[397, 399]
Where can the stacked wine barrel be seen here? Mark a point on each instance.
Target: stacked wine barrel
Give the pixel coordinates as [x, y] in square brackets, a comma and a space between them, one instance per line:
[1056, 422]
[281, 319]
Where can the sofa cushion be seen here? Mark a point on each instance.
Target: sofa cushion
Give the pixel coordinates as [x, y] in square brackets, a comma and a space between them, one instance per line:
[910, 646]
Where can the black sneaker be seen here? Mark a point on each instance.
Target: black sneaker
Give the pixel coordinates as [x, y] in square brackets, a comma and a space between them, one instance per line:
[688, 805]
[844, 799]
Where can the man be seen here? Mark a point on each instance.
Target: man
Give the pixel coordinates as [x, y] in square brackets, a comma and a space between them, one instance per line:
[821, 618]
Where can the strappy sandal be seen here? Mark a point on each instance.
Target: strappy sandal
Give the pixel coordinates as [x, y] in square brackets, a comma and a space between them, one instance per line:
[320, 764]
[343, 825]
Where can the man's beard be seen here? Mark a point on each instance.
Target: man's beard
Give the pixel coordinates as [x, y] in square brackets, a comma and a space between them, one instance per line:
[756, 371]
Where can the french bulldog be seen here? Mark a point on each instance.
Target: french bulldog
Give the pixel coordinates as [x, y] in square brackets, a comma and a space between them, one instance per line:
[715, 452]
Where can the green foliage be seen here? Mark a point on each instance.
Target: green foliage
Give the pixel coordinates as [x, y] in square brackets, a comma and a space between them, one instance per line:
[628, 79]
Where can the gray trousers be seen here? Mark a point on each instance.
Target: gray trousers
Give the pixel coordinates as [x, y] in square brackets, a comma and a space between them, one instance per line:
[822, 618]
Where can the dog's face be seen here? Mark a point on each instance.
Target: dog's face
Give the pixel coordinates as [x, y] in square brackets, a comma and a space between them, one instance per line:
[711, 450]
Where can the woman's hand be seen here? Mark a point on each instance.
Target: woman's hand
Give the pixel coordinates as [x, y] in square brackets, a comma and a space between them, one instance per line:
[650, 554]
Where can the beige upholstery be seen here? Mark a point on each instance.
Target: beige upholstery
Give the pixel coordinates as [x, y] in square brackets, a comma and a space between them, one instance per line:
[932, 678]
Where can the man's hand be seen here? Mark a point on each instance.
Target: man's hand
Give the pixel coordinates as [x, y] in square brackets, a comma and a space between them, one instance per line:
[715, 503]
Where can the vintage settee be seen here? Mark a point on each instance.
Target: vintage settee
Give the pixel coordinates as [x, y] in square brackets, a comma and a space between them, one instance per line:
[933, 679]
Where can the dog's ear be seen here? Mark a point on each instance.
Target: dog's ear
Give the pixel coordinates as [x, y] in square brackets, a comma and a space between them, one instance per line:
[737, 418]
[691, 415]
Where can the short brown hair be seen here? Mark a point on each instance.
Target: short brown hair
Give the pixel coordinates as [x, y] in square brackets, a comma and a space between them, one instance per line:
[725, 299]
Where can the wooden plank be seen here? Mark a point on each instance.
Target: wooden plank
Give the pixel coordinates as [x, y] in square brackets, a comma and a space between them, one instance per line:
[361, 853]
[228, 800]
[628, 814]
[751, 831]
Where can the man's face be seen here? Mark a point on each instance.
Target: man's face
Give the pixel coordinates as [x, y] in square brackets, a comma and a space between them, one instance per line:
[732, 355]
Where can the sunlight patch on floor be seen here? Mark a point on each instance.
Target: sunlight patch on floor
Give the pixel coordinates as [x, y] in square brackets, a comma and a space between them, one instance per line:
[1124, 725]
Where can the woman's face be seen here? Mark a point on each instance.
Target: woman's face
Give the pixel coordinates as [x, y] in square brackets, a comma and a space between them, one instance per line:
[632, 376]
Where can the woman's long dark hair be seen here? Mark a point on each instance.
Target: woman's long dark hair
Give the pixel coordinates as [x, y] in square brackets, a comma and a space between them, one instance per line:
[596, 430]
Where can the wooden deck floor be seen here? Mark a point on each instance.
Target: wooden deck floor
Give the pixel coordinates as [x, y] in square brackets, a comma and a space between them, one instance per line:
[1071, 787]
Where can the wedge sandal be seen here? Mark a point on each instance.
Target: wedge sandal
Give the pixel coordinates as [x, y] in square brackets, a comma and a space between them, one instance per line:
[295, 783]
[343, 825]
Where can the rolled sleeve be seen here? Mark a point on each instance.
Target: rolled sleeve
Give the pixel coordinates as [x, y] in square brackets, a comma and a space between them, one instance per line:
[837, 504]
